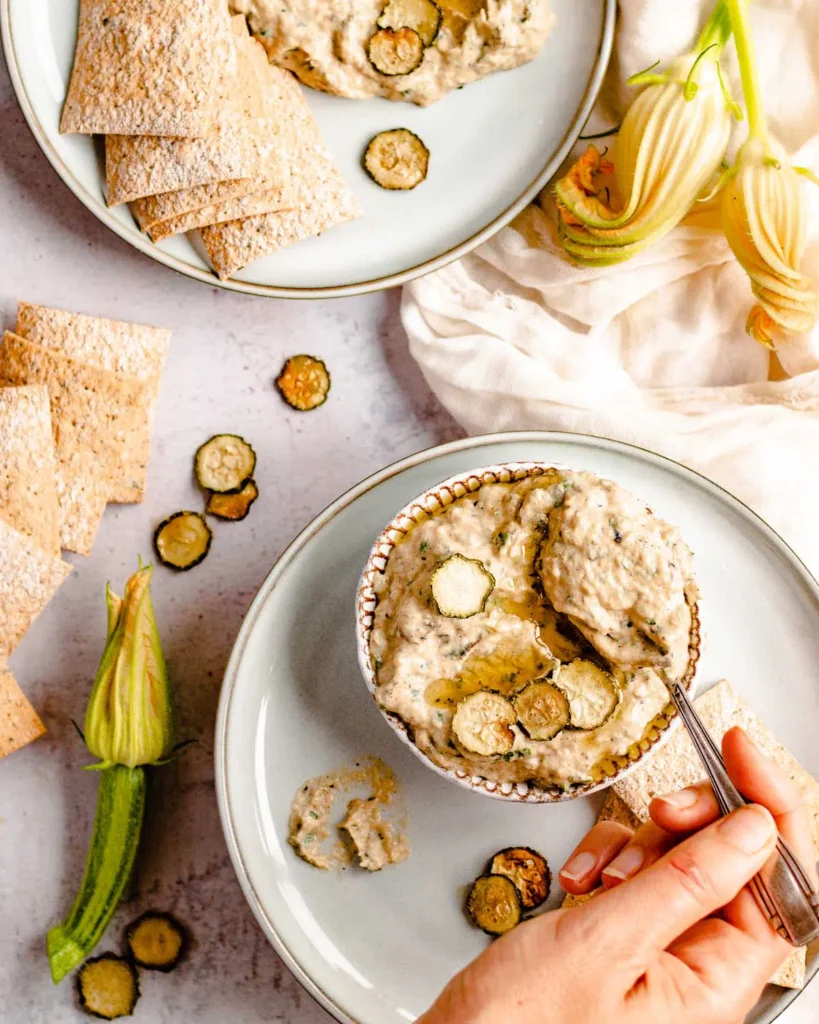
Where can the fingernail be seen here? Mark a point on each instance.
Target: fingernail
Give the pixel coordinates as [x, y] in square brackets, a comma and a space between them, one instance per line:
[749, 829]
[578, 867]
[626, 864]
[682, 799]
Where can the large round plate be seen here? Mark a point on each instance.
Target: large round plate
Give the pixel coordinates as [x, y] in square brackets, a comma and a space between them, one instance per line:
[494, 145]
[377, 949]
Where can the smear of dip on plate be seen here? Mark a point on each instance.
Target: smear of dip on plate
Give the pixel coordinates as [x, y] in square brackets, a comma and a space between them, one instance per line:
[325, 44]
[582, 570]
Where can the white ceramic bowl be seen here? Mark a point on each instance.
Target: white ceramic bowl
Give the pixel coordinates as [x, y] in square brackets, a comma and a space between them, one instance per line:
[417, 511]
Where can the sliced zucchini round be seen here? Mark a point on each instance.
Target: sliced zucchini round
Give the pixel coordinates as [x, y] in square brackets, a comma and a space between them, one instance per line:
[424, 16]
[592, 693]
[397, 160]
[304, 383]
[233, 506]
[482, 723]
[156, 941]
[528, 870]
[494, 904]
[542, 710]
[183, 540]
[224, 463]
[108, 987]
[461, 587]
[395, 51]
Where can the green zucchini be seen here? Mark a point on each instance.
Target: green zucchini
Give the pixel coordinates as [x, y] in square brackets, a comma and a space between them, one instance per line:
[461, 587]
[395, 52]
[396, 160]
[592, 693]
[424, 16]
[117, 827]
[108, 987]
[542, 709]
[482, 723]
[494, 904]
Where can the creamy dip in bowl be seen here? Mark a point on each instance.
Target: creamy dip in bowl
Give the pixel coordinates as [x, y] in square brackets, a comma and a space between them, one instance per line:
[581, 573]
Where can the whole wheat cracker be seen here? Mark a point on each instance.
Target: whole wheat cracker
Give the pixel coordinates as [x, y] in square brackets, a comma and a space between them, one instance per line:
[149, 67]
[144, 165]
[149, 211]
[19, 722]
[126, 349]
[28, 468]
[29, 578]
[322, 200]
[100, 424]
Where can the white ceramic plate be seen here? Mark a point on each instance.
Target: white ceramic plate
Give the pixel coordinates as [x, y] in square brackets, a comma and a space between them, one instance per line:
[494, 145]
[377, 949]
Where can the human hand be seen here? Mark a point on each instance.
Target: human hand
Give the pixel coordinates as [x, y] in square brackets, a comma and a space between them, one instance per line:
[674, 936]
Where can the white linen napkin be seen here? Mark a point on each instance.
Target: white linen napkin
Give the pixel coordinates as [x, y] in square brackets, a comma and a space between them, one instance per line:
[653, 351]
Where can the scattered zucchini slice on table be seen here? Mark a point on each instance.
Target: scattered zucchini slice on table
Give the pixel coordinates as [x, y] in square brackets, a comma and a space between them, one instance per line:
[304, 383]
[461, 587]
[108, 987]
[233, 505]
[397, 160]
[183, 540]
[156, 941]
[423, 16]
[529, 872]
[482, 723]
[593, 694]
[224, 463]
[542, 710]
[395, 51]
[494, 904]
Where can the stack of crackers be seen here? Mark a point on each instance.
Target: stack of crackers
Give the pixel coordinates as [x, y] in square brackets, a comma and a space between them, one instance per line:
[77, 396]
[201, 132]
[676, 766]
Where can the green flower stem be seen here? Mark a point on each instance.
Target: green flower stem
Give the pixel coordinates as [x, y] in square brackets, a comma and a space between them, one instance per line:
[757, 124]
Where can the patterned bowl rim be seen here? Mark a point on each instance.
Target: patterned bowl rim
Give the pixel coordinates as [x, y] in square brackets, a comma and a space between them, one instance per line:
[415, 512]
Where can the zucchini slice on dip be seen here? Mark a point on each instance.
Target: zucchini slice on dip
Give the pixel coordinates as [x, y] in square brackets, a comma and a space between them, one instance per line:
[304, 383]
[542, 710]
[183, 540]
[423, 16]
[593, 694]
[482, 722]
[395, 51]
[233, 506]
[494, 904]
[224, 463]
[397, 160]
[108, 987]
[461, 587]
[529, 872]
[156, 941]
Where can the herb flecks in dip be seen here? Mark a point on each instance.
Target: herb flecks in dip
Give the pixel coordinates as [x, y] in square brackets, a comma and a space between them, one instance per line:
[325, 44]
[572, 557]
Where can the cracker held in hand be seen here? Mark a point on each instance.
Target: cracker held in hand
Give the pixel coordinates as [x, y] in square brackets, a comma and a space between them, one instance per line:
[149, 67]
[100, 424]
[144, 165]
[29, 578]
[19, 722]
[28, 467]
[321, 196]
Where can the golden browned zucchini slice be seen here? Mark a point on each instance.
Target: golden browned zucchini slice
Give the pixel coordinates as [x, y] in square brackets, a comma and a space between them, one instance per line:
[397, 160]
[461, 587]
[528, 870]
[233, 506]
[304, 383]
[395, 51]
[494, 904]
[423, 16]
[542, 710]
[224, 463]
[156, 941]
[592, 693]
[108, 987]
[183, 540]
[481, 723]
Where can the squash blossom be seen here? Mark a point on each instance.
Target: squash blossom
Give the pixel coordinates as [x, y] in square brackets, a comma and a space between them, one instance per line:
[668, 149]
[764, 214]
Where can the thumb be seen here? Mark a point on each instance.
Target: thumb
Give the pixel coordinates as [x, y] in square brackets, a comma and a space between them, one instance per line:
[691, 881]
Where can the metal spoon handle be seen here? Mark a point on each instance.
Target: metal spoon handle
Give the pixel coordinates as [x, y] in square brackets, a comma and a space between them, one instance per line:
[782, 889]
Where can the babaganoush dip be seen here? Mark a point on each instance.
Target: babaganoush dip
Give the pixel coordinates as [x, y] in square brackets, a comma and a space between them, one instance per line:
[519, 633]
[327, 44]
